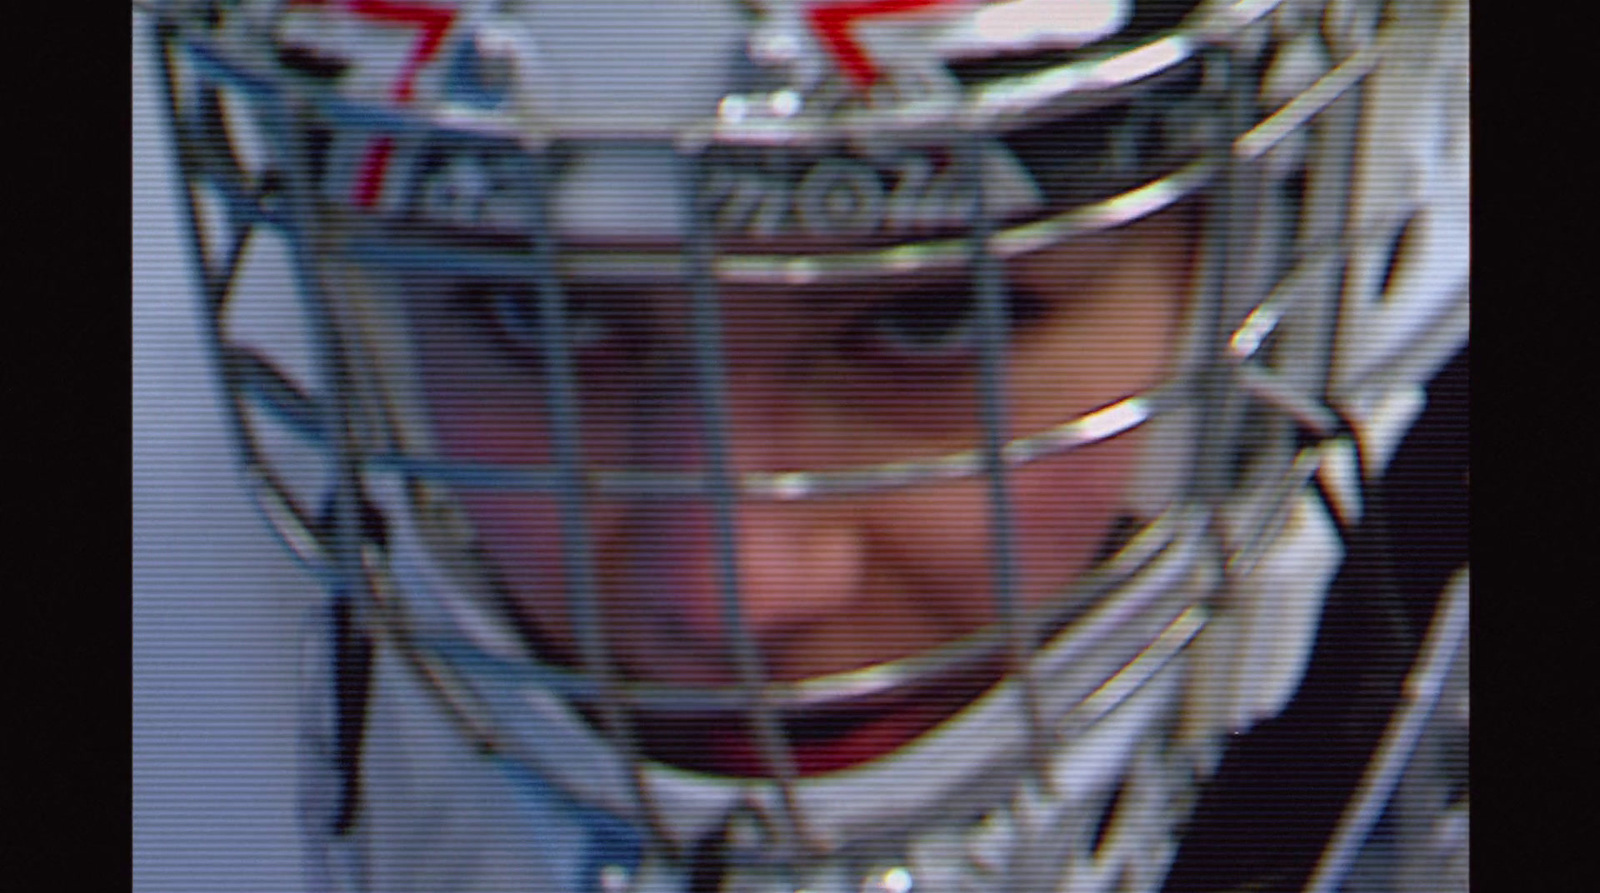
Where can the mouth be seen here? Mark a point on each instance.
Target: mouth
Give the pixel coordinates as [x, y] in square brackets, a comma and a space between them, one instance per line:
[815, 740]
[818, 740]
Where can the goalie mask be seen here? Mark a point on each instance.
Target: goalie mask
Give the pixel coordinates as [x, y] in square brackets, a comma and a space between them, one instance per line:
[876, 445]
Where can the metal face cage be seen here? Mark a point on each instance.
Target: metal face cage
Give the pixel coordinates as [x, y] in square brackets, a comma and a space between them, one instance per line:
[263, 152]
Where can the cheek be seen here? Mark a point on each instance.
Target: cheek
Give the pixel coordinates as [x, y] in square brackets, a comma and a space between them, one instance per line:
[519, 532]
[479, 414]
[522, 537]
[938, 544]
[1064, 511]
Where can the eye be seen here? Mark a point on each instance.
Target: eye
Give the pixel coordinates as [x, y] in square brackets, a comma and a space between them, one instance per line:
[941, 324]
[927, 326]
[515, 314]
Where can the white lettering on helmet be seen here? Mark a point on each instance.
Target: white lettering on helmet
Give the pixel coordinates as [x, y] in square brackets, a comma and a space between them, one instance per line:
[840, 196]
[898, 192]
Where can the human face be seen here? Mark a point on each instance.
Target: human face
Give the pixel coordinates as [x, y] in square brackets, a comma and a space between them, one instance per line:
[816, 380]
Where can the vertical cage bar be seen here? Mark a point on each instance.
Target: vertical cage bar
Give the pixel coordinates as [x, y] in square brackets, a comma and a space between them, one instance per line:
[344, 527]
[711, 378]
[1335, 165]
[577, 542]
[1222, 291]
[994, 339]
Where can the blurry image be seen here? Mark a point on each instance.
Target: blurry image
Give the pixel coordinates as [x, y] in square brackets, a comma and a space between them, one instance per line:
[777, 445]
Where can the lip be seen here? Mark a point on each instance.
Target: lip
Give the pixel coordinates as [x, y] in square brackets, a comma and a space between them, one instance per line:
[819, 740]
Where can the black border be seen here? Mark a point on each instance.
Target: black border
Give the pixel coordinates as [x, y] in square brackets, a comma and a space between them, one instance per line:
[1533, 463]
[67, 436]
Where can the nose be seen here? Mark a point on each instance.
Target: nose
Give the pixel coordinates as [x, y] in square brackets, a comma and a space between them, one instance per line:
[797, 569]
[793, 565]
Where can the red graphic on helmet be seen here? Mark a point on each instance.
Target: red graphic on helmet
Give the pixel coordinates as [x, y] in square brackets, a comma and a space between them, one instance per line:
[432, 21]
[833, 24]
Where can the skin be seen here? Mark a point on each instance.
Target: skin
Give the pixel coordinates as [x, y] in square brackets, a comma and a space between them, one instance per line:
[814, 382]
